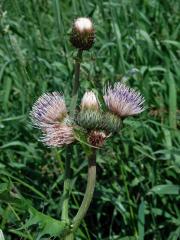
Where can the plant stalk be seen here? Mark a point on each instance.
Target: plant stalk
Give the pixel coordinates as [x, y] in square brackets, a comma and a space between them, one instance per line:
[66, 190]
[67, 172]
[76, 82]
[88, 193]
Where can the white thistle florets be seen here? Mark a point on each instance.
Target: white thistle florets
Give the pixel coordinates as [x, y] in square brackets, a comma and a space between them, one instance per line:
[123, 101]
[89, 101]
[83, 24]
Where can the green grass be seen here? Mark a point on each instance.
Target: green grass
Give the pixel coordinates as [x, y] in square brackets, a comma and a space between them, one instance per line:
[137, 190]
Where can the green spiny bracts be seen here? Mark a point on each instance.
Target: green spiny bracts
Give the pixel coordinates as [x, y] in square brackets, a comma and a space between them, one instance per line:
[111, 122]
[90, 119]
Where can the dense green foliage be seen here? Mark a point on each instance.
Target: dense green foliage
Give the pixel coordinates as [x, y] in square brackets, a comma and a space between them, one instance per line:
[137, 190]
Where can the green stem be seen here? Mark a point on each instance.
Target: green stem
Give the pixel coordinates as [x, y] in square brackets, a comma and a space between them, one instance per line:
[88, 193]
[77, 72]
[69, 237]
[87, 196]
[66, 190]
[67, 181]
[76, 82]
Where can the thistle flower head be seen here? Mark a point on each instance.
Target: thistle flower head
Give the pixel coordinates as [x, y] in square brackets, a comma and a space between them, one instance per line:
[90, 117]
[89, 101]
[83, 34]
[49, 108]
[49, 113]
[57, 135]
[123, 101]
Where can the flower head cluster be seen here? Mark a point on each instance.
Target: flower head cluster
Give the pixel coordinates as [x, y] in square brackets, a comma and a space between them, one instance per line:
[49, 113]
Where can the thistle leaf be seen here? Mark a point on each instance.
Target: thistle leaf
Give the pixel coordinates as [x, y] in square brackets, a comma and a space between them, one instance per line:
[47, 225]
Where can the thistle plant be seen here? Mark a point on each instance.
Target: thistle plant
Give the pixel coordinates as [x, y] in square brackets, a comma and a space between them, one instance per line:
[61, 126]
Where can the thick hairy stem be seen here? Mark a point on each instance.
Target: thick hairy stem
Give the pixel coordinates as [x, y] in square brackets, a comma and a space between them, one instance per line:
[88, 193]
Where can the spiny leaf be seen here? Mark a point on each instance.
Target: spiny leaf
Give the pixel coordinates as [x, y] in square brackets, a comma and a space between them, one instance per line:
[47, 224]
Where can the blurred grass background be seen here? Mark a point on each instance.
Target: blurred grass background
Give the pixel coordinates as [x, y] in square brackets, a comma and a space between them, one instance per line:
[137, 191]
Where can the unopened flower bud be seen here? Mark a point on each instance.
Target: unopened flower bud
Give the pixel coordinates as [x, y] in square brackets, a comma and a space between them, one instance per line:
[83, 34]
[97, 138]
[89, 102]
[90, 117]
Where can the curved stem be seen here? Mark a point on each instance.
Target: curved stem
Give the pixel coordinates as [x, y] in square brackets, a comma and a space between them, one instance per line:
[88, 193]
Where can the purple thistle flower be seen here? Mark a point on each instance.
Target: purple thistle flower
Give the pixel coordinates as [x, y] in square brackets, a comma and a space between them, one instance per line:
[49, 113]
[49, 108]
[123, 101]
